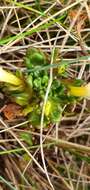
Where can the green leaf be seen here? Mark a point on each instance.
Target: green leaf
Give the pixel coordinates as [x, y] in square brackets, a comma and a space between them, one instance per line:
[21, 98]
[34, 58]
[27, 138]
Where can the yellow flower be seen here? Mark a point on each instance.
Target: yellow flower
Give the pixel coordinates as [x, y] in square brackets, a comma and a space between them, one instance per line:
[48, 108]
[8, 77]
[61, 69]
[83, 91]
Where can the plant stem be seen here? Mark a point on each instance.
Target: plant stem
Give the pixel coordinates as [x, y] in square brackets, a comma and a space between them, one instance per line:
[69, 145]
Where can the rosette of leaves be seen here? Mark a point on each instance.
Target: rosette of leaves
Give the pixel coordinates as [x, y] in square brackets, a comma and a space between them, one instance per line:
[38, 79]
[28, 89]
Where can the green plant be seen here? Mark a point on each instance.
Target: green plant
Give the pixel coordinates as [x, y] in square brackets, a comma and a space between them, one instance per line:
[28, 89]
